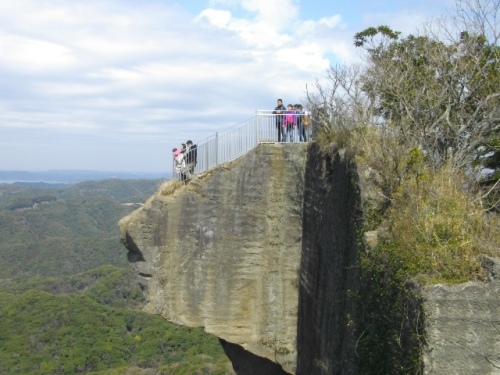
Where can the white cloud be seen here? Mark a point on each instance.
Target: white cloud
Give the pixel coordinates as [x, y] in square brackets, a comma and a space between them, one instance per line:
[276, 31]
[330, 22]
[309, 28]
[217, 18]
[21, 54]
[144, 75]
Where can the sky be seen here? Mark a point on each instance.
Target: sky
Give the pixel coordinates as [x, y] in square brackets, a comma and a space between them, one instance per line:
[114, 85]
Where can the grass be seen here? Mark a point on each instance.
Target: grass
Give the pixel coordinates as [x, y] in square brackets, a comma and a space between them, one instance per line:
[169, 187]
[436, 228]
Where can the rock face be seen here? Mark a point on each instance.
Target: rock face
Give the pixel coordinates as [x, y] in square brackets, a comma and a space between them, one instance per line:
[260, 252]
[263, 253]
[463, 326]
[329, 265]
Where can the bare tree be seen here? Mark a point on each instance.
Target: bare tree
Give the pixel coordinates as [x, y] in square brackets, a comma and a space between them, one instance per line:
[438, 92]
[479, 17]
[339, 105]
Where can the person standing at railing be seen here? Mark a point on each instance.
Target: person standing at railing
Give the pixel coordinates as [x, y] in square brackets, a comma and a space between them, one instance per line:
[307, 122]
[279, 110]
[300, 122]
[179, 163]
[289, 124]
[191, 157]
[185, 174]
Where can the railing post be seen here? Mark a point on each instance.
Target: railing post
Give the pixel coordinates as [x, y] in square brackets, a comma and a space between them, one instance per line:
[217, 148]
[256, 126]
[206, 156]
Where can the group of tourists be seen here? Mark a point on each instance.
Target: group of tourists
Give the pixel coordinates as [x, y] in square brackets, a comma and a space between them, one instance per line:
[292, 122]
[185, 158]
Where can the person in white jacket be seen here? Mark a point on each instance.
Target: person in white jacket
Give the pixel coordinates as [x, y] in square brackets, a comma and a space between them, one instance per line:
[179, 164]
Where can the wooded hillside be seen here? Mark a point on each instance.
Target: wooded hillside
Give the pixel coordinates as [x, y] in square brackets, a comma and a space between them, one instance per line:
[69, 302]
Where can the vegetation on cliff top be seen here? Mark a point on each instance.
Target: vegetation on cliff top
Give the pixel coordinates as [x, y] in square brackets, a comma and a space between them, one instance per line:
[422, 117]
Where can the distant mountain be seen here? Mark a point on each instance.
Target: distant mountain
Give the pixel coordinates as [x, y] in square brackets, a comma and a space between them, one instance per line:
[75, 176]
[62, 231]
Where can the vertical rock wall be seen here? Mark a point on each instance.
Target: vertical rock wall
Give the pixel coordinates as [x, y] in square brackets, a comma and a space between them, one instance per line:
[328, 277]
[260, 252]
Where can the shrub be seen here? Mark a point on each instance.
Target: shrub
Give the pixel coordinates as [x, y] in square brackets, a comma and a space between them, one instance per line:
[436, 228]
[169, 187]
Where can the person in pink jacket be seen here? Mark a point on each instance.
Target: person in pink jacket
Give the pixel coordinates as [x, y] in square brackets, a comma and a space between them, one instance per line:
[289, 124]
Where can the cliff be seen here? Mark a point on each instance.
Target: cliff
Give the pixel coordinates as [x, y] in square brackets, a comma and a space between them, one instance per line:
[261, 252]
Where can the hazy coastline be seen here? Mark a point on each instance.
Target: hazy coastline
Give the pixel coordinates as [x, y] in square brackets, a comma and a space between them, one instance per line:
[69, 177]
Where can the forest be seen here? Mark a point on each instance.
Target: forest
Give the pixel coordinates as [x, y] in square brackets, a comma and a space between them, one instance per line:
[70, 304]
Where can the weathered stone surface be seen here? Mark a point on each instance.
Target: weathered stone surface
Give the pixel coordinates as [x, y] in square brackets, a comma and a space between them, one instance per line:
[463, 329]
[262, 253]
[329, 265]
[223, 252]
[491, 266]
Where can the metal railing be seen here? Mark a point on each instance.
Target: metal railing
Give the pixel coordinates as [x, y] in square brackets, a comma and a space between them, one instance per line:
[243, 137]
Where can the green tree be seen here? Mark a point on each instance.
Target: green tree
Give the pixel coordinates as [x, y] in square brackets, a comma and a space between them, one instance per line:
[442, 97]
[440, 91]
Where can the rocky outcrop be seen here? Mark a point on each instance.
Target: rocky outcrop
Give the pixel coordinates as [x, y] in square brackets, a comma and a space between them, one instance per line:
[261, 252]
[463, 326]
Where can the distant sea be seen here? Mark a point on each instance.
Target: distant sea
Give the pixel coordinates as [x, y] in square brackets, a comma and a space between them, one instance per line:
[73, 177]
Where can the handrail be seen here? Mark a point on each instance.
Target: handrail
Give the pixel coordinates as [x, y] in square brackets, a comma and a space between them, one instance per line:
[243, 137]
